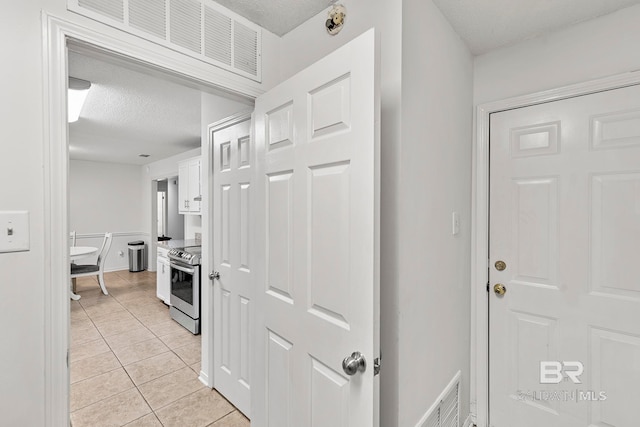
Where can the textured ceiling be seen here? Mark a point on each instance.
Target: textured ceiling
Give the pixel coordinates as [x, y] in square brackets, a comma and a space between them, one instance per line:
[488, 24]
[128, 113]
[277, 16]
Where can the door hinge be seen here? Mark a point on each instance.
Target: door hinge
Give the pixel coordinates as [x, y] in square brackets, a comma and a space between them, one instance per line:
[487, 287]
[377, 362]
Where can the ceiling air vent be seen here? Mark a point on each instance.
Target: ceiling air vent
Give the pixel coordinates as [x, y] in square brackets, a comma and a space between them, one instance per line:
[149, 16]
[245, 48]
[111, 8]
[201, 29]
[217, 36]
[185, 24]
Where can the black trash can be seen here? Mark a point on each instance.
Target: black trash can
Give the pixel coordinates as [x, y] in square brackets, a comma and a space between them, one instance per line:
[137, 256]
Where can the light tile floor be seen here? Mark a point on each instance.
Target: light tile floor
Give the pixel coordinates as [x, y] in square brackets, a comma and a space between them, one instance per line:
[132, 365]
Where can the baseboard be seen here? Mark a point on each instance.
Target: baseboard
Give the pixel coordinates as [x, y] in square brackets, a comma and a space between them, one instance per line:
[115, 234]
[204, 379]
[117, 268]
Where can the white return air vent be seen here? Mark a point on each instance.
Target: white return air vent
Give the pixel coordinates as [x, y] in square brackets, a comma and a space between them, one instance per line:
[202, 29]
[445, 411]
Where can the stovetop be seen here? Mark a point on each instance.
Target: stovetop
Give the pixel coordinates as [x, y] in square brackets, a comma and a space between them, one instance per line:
[190, 255]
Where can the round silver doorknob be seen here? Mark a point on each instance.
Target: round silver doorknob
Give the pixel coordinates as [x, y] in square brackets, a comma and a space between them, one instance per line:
[354, 363]
[214, 275]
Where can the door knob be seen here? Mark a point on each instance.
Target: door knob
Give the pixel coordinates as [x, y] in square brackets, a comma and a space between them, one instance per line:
[499, 289]
[214, 275]
[354, 363]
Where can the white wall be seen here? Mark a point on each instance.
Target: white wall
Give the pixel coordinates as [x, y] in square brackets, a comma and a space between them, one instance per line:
[426, 97]
[435, 181]
[106, 197]
[21, 274]
[192, 225]
[601, 47]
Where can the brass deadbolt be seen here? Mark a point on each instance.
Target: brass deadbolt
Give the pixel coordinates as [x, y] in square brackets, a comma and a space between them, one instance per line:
[500, 265]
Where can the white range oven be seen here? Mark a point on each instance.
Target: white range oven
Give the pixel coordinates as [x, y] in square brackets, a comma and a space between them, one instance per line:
[184, 264]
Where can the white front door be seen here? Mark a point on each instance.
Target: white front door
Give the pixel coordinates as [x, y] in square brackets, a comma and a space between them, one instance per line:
[316, 183]
[565, 221]
[233, 291]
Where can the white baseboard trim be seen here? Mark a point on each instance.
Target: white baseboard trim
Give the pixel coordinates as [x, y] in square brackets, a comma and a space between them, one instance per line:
[115, 234]
[468, 422]
[116, 268]
[204, 379]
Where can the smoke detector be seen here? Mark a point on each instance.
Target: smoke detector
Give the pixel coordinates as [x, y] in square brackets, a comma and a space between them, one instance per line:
[335, 19]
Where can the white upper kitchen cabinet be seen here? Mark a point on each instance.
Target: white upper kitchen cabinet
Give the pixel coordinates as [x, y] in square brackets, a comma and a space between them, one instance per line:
[189, 188]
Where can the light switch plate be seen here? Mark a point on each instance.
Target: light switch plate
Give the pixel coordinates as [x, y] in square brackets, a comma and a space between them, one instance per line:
[14, 231]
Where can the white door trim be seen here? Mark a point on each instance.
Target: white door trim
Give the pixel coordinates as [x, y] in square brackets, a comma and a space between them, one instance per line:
[480, 225]
[55, 34]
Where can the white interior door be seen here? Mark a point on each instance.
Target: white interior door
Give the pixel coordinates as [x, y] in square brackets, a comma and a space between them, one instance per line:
[316, 270]
[565, 220]
[232, 292]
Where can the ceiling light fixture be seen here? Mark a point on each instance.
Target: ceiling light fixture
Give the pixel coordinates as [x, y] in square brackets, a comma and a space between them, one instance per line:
[77, 94]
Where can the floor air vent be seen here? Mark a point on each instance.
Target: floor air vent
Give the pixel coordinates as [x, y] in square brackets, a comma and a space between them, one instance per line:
[445, 412]
[201, 29]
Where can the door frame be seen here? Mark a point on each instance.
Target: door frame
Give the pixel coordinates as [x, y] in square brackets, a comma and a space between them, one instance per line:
[207, 218]
[480, 224]
[56, 32]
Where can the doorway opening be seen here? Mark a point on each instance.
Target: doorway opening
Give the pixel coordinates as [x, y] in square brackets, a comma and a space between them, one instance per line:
[65, 37]
[170, 224]
[148, 352]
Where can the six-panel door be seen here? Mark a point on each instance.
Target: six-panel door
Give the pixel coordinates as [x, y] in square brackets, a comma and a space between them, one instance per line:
[233, 291]
[565, 219]
[317, 241]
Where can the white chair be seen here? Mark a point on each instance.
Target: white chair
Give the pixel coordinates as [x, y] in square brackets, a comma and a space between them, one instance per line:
[80, 270]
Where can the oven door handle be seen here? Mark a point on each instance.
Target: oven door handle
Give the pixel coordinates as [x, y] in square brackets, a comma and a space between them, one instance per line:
[183, 269]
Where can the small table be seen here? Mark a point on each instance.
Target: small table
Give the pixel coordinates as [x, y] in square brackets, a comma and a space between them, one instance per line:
[76, 253]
